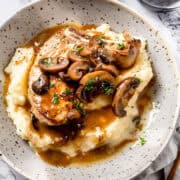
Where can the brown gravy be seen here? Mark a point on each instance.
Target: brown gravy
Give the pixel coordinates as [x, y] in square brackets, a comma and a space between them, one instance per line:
[101, 118]
[97, 155]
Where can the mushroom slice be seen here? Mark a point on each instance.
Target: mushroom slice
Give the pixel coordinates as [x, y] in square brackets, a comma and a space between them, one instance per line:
[126, 61]
[125, 91]
[77, 69]
[74, 56]
[73, 114]
[95, 42]
[84, 50]
[97, 75]
[107, 55]
[53, 65]
[94, 84]
[41, 85]
[109, 68]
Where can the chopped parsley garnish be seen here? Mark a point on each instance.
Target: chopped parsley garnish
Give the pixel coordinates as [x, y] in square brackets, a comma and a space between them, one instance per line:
[90, 84]
[79, 108]
[100, 40]
[142, 140]
[34, 122]
[79, 49]
[137, 121]
[33, 117]
[67, 91]
[102, 37]
[47, 61]
[84, 58]
[107, 89]
[121, 45]
[67, 25]
[55, 99]
[51, 84]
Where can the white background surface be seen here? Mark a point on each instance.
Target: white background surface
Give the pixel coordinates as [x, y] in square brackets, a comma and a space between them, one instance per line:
[167, 22]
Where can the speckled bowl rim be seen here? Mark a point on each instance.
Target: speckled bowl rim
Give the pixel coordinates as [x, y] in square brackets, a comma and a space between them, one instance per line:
[151, 25]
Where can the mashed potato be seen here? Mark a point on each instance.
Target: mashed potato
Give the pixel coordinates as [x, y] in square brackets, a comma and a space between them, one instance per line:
[114, 133]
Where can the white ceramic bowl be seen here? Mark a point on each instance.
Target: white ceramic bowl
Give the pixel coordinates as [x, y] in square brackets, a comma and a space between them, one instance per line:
[131, 161]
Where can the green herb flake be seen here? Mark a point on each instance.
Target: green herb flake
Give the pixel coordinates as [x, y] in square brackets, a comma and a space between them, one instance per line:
[102, 37]
[79, 49]
[142, 140]
[33, 117]
[90, 84]
[137, 121]
[55, 99]
[34, 122]
[47, 61]
[107, 88]
[79, 108]
[51, 84]
[98, 38]
[85, 58]
[121, 45]
[67, 91]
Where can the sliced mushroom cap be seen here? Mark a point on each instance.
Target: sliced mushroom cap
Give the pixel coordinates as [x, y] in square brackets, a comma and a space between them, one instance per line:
[97, 75]
[109, 68]
[84, 50]
[74, 56]
[41, 85]
[94, 84]
[53, 65]
[95, 42]
[77, 69]
[95, 58]
[125, 91]
[126, 61]
[73, 114]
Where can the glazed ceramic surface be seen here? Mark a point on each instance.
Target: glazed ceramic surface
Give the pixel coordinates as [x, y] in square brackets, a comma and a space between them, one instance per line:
[131, 160]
